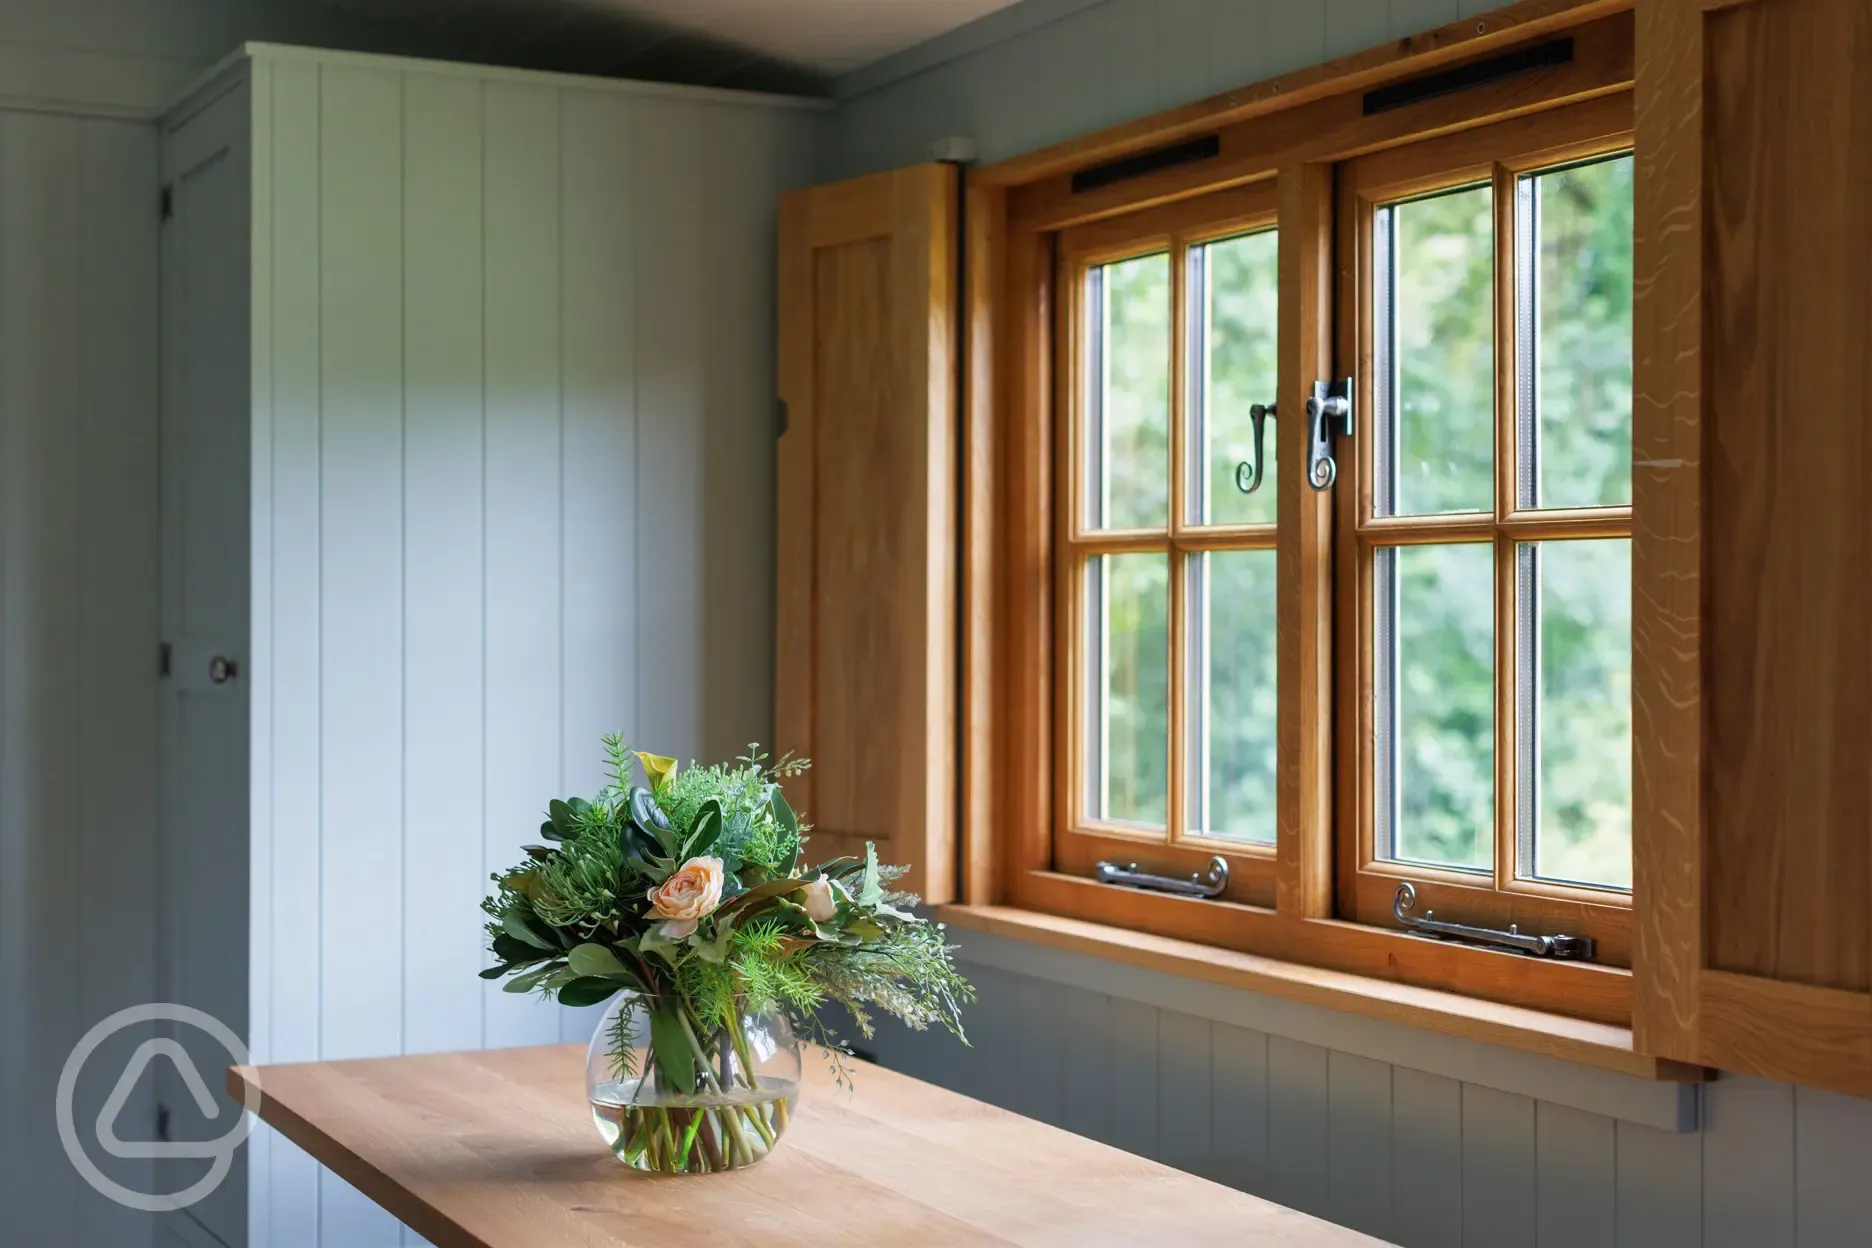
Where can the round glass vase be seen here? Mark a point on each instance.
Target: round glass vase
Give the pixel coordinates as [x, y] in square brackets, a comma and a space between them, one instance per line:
[742, 1084]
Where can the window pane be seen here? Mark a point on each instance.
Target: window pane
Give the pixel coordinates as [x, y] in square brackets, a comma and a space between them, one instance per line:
[1434, 359]
[1235, 283]
[1234, 693]
[1577, 748]
[1434, 687]
[1128, 649]
[1128, 399]
[1576, 294]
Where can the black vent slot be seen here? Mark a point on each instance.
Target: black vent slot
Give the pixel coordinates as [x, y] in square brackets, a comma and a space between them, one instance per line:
[1157, 159]
[1474, 74]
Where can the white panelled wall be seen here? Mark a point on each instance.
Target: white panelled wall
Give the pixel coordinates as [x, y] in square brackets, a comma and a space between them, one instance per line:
[512, 489]
[1424, 1159]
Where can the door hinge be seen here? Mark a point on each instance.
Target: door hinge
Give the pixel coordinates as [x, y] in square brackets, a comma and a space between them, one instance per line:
[165, 657]
[168, 202]
[1564, 948]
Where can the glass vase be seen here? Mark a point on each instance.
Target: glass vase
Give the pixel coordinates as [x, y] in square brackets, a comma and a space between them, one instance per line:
[720, 1100]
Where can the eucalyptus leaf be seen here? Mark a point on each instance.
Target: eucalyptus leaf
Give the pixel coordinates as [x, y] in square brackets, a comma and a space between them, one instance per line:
[515, 952]
[595, 960]
[579, 805]
[495, 972]
[715, 951]
[562, 817]
[550, 831]
[518, 928]
[671, 1046]
[586, 991]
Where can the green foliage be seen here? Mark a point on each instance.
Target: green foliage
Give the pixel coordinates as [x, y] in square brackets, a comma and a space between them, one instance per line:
[576, 919]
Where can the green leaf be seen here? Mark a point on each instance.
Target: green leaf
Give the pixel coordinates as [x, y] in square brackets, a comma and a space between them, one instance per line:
[716, 950]
[653, 941]
[518, 928]
[532, 979]
[672, 1050]
[515, 952]
[586, 990]
[562, 817]
[495, 972]
[578, 804]
[783, 815]
[594, 960]
[772, 888]
[708, 829]
[871, 893]
[550, 831]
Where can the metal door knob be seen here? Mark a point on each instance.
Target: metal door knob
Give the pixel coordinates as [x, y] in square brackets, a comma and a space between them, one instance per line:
[222, 669]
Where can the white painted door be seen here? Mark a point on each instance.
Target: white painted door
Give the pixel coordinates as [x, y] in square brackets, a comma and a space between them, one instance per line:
[202, 866]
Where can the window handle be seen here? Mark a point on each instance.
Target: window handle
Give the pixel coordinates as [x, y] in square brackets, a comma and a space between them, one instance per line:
[1208, 883]
[1568, 948]
[1329, 418]
[1248, 473]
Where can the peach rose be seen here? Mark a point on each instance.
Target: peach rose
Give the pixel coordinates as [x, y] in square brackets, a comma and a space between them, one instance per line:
[819, 900]
[688, 896]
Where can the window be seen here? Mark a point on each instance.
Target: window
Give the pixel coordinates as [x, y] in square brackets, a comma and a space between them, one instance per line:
[1419, 673]
[1168, 665]
[1484, 620]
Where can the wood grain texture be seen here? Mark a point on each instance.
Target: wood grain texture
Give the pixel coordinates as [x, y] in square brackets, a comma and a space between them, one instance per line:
[868, 521]
[985, 241]
[1753, 688]
[1667, 519]
[1304, 583]
[895, 1161]
[1788, 327]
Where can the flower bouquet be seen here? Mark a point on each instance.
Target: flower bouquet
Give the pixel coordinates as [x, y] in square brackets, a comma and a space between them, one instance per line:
[683, 901]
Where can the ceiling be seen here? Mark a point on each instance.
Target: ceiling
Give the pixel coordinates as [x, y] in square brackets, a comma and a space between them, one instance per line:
[764, 45]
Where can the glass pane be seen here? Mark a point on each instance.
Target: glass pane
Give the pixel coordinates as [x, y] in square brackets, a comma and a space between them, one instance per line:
[1128, 649]
[1235, 283]
[1128, 394]
[1434, 357]
[1576, 293]
[1580, 727]
[1234, 695]
[1434, 684]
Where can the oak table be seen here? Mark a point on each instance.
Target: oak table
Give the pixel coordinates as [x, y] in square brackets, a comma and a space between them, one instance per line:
[496, 1149]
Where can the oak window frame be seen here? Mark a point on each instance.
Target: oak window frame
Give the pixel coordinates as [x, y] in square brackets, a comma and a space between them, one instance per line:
[1011, 747]
[1496, 155]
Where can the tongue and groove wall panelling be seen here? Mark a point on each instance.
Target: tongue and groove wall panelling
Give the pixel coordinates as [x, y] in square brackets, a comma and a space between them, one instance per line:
[512, 482]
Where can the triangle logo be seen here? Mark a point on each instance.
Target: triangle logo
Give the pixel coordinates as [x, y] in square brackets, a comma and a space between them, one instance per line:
[146, 1053]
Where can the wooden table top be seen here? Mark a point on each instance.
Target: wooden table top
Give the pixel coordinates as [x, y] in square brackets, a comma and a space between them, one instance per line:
[496, 1149]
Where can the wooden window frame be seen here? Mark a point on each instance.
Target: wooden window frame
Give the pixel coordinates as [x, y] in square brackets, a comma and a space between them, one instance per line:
[1495, 155]
[1079, 840]
[1294, 131]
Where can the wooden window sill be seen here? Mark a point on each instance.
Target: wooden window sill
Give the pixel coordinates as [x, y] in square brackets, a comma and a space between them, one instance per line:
[1600, 1045]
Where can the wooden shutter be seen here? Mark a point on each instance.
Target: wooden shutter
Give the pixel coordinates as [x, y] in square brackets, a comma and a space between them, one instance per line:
[1752, 538]
[865, 662]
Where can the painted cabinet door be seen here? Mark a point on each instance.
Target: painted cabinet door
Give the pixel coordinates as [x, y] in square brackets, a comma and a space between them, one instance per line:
[1752, 532]
[865, 661]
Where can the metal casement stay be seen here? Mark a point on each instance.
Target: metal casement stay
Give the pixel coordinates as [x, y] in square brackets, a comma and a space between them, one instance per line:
[1210, 883]
[1564, 948]
[1329, 418]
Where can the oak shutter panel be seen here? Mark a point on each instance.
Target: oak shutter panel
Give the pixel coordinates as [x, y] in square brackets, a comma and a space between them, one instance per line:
[1752, 535]
[865, 661]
